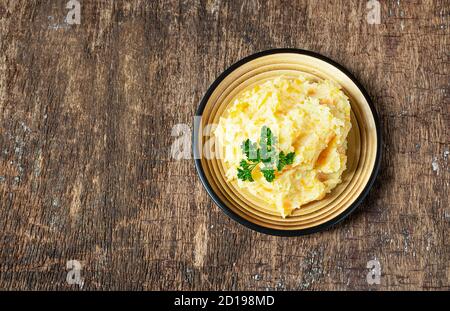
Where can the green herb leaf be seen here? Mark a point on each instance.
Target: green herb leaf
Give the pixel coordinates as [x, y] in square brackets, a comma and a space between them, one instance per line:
[244, 164]
[290, 158]
[285, 159]
[245, 174]
[269, 174]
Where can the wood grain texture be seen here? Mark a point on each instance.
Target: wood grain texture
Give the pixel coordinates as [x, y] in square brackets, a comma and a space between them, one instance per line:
[86, 114]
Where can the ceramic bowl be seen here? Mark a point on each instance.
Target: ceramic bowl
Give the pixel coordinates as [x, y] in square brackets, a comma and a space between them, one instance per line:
[363, 153]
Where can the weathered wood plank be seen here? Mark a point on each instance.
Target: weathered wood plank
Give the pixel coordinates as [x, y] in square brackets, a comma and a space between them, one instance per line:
[86, 113]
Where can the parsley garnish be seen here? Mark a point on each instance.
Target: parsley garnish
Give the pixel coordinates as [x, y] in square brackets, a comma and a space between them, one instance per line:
[265, 154]
[285, 159]
[269, 174]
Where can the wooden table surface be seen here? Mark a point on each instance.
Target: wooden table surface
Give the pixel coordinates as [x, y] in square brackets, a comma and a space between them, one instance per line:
[87, 114]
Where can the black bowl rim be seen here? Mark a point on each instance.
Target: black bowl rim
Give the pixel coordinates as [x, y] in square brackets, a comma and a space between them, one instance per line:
[279, 232]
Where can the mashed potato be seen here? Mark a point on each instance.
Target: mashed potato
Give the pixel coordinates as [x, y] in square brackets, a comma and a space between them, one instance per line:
[310, 118]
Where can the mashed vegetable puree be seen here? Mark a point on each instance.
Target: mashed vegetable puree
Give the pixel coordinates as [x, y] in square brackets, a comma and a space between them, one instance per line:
[308, 117]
